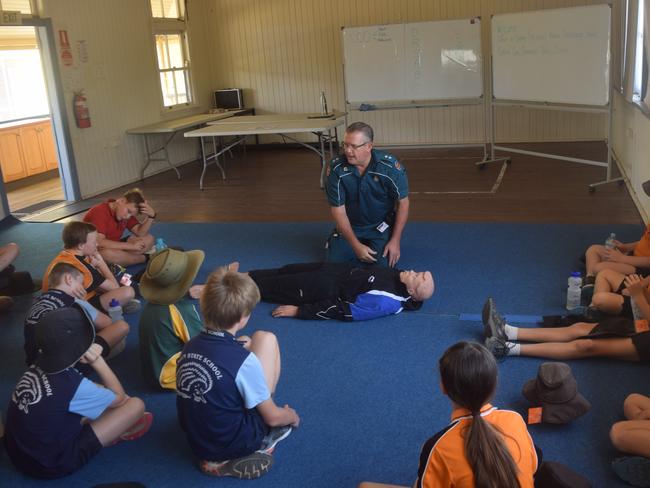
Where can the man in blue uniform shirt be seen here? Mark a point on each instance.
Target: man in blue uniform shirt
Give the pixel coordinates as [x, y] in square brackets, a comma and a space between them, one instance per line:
[368, 193]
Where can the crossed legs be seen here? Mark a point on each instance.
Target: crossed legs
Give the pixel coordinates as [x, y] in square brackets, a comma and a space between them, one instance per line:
[633, 435]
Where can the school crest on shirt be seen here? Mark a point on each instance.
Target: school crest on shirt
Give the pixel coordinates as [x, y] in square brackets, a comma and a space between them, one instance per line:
[29, 391]
[193, 381]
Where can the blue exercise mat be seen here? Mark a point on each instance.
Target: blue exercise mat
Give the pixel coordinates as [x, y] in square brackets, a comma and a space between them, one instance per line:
[367, 392]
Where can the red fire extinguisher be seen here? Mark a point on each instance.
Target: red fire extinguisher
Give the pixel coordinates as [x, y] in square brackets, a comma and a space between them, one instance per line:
[80, 108]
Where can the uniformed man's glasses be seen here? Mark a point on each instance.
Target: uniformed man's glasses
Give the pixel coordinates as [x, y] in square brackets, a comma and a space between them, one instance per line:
[354, 147]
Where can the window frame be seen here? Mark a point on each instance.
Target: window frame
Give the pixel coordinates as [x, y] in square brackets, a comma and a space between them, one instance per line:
[174, 26]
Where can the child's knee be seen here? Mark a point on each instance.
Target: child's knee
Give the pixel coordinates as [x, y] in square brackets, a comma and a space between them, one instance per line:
[584, 347]
[616, 434]
[600, 299]
[633, 400]
[122, 328]
[264, 337]
[136, 406]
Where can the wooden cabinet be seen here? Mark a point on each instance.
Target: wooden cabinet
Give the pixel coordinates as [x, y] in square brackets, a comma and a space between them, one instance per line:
[11, 155]
[27, 149]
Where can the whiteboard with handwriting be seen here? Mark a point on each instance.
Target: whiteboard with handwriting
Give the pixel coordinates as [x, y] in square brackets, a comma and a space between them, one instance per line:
[414, 61]
[554, 56]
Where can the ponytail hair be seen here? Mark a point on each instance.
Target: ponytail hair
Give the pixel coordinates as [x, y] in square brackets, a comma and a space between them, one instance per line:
[468, 373]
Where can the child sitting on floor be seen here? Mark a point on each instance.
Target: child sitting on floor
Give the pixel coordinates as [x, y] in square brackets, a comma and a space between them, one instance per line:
[632, 436]
[80, 251]
[169, 319]
[224, 384]
[113, 217]
[612, 337]
[57, 419]
[66, 289]
[482, 446]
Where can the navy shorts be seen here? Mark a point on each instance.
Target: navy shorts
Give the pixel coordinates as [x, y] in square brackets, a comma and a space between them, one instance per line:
[641, 343]
[83, 448]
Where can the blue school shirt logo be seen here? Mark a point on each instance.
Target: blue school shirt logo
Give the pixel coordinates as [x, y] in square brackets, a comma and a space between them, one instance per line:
[28, 392]
[193, 381]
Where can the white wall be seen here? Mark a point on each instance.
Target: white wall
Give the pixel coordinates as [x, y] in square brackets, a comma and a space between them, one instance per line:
[121, 84]
[631, 143]
[284, 52]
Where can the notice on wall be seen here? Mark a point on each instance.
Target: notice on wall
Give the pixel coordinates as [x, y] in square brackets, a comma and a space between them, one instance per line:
[64, 47]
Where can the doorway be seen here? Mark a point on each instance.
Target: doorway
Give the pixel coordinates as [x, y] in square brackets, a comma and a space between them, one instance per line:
[37, 168]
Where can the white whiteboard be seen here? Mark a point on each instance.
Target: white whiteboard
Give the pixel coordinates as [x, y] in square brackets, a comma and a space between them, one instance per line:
[558, 55]
[415, 61]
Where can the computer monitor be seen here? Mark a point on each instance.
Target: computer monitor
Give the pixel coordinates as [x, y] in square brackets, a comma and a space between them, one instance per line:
[229, 98]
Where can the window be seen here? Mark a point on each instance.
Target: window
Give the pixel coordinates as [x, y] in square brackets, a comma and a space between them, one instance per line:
[170, 38]
[167, 9]
[24, 6]
[639, 84]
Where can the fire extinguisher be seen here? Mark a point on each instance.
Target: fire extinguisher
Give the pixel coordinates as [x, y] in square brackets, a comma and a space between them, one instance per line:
[80, 108]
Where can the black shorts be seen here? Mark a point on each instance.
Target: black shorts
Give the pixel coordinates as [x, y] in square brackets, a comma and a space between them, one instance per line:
[641, 343]
[624, 327]
[97, 303]
[83, 448]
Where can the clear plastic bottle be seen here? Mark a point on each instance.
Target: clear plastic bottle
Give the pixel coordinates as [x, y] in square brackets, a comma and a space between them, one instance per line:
[160, 244]
[115, 310]
[573, 291]
[609, 243]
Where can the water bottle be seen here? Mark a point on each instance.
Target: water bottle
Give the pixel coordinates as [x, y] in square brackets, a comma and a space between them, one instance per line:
[115, 310]
[323, 103]
[609, 243]
[573, 291]
[160, 244]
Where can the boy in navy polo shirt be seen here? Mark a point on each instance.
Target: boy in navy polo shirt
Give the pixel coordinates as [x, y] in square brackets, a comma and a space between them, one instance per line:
[224, 384]
[66, 288]
[46, 434]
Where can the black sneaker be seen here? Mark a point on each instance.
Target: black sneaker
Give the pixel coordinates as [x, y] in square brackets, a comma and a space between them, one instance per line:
[245, 468]
[488, 306]
[275, 435]
[634, 470]
[493, 323]
[498, 347]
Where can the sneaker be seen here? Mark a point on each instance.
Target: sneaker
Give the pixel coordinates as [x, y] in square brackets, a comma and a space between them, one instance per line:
[132, 306]
[634, 470]
[488, 306]
[138, 429]
[494, 325]
[245, 468]
[497, 346]
[586, 294]
[275, 435]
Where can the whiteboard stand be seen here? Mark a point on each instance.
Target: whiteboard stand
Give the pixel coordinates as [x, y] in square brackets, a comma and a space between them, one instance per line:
[530, 49]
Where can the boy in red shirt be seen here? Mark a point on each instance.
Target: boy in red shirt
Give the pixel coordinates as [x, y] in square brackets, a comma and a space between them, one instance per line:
[113, 217]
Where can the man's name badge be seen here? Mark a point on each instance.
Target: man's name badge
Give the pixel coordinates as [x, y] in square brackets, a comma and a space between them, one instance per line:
[382, 227]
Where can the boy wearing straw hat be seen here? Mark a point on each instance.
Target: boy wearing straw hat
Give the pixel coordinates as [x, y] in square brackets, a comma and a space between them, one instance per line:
[47, 435]
[169, 319]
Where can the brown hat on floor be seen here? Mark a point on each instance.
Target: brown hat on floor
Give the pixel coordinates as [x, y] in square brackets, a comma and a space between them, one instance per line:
[169, 275]
[556, 391]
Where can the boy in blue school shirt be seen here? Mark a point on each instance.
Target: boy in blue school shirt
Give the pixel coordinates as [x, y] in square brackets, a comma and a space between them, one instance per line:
[46, 433]
[224, 384]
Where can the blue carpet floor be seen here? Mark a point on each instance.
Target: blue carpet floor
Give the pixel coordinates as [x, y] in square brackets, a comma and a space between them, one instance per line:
[367, 392]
